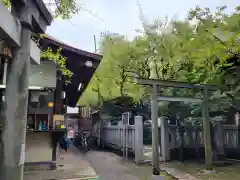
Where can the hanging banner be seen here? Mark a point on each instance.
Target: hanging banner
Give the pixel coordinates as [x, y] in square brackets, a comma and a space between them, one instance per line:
[5, 51]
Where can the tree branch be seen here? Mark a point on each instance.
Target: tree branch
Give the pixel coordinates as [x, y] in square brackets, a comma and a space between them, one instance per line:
[222, 42]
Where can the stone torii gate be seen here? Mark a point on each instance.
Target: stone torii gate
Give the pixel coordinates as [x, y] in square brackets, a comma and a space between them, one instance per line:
[154, 84]
[17, 27]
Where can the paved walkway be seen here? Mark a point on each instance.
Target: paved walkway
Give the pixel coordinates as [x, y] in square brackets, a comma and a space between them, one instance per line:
[72, 165]
[110, 166]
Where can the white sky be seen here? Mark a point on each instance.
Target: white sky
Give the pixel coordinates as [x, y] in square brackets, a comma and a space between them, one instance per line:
[121, 16]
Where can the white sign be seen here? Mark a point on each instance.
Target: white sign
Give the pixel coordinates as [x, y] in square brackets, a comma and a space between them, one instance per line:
[22, 155]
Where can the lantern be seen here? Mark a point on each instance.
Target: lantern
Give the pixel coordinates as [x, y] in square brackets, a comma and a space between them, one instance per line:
[50, 104]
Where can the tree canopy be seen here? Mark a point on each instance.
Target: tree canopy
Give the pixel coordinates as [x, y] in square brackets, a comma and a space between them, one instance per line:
[204, 48]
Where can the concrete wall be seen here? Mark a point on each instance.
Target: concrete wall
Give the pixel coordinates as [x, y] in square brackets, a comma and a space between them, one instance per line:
[38, 147]
[43, 75]
[10, 28]
[34, 53]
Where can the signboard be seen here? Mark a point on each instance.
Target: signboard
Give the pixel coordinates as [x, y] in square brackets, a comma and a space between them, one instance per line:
[22, 155]
[58, 117]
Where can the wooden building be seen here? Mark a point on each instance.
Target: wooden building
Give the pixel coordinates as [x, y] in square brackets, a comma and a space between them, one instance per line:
[49, 96]
[47, 106]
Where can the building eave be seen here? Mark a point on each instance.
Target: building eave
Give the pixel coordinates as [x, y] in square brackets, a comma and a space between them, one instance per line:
[76, 62]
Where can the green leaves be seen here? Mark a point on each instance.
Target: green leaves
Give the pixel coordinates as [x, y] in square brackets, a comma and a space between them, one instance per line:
[6, 3]
[115, 75]
[59, 60]
[197, 50]
[66, 9]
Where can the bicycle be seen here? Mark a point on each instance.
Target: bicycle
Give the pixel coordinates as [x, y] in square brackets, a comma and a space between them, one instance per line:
[82, 141]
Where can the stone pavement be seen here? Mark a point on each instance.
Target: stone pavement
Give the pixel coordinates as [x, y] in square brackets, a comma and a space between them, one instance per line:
[71, 165]
[110, 166]
[177, 173]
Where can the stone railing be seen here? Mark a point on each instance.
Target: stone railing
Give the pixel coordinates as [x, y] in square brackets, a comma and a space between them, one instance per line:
[130, 137]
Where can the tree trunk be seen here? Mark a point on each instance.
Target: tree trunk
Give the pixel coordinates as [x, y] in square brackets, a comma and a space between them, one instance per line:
[206, 130]
[121, 89]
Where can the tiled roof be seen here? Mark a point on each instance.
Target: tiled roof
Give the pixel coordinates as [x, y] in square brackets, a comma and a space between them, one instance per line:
[73, 49]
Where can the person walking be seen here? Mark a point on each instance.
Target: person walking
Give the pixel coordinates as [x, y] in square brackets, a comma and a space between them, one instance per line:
[64, 142]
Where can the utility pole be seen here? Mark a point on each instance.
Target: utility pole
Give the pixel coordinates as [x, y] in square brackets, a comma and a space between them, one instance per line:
[95, 43]
[206, 130]
[154, 117]
[16, 95]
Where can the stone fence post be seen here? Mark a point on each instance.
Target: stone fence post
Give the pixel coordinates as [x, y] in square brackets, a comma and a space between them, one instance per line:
[138, 139]
[218, 140]
[164, 139]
